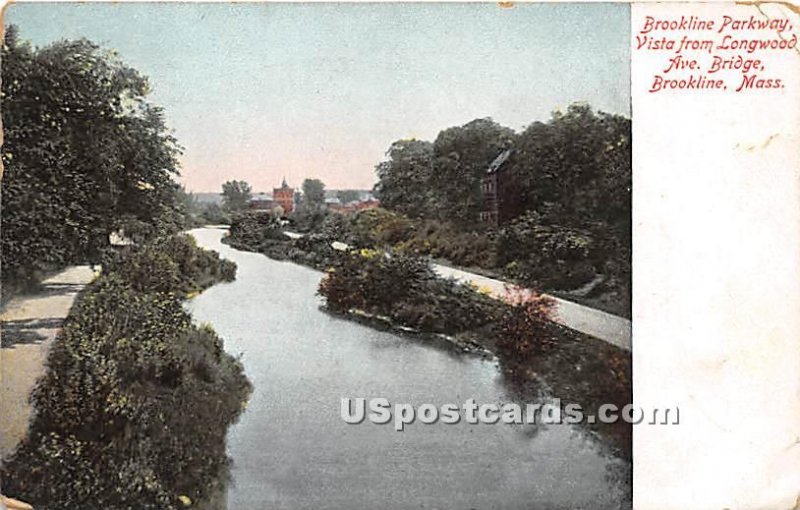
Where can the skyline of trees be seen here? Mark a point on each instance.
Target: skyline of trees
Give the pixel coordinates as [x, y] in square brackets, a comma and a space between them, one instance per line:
[574, 168]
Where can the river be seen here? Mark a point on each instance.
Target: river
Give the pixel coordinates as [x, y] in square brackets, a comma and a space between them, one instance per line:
[292, 450]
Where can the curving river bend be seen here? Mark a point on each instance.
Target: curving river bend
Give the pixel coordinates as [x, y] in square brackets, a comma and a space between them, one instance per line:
[291, 449]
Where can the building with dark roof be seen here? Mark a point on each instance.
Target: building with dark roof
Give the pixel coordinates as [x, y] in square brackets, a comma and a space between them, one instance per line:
[494, 189]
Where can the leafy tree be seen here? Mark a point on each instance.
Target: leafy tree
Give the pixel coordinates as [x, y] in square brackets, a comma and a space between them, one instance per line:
[235, 195]
[84, 153]
[213, 214]
[313, 194]
[310, 212]
[404, 179]
[574, 173]
[576, 168]
[461, 157]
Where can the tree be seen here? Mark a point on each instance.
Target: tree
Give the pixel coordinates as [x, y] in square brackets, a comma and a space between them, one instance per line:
[84, 153]
[574, 174]
[235, 195]
[461, 157]
[576, 168]
[348, 195]
[310, 212]
[404, 178]
[313, 194]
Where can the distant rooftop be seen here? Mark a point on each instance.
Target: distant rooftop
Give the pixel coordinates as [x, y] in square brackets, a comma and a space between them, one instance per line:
[498, 162]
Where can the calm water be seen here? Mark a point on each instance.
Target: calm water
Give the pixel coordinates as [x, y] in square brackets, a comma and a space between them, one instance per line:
[291, 449]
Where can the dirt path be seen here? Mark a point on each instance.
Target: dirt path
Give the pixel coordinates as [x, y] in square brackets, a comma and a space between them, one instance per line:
[29, 325]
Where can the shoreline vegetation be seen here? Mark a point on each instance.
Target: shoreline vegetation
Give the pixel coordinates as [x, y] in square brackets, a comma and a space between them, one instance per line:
[399, 291]
[136, 399]
[135, 405]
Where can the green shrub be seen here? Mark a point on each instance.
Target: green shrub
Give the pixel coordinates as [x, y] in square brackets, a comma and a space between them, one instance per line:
[445, 241]
[380, 228]
[251, 229]
[548, 256]
[172, 264]
[136, 401]
[308, 218]
[213, 214]
[133, 410]
[406, 290]
[339, 227]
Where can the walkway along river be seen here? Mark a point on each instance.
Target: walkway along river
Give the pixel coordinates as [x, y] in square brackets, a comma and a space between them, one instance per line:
[292, 450]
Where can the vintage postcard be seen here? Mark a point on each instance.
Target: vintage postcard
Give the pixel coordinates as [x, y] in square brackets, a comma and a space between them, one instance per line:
[400, 255]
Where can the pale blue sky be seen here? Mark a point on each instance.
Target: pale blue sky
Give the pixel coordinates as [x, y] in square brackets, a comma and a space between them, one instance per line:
[259, 91]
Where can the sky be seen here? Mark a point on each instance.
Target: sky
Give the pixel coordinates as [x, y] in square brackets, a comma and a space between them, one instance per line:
[258, 91]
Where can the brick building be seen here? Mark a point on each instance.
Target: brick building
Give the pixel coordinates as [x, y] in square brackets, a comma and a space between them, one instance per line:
[284, 197]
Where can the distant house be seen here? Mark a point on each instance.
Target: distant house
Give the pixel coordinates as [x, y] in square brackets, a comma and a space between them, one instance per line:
[495, 190]
[261, 202]
[333, 203]
[359, 205]
[284, 197]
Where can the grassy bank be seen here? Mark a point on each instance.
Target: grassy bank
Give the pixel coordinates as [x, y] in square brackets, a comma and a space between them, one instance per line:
[137, 399]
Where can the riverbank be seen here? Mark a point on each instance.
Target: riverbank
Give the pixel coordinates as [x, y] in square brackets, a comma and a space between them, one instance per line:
[133, 408]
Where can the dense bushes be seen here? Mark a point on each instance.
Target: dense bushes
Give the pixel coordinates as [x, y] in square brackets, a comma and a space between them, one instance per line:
[136, 402]
[444, 241]
[262, 232]
[254, 228]
[385, 229]
[529, 250]
[406, 290]
[547, 256]
[380, 228]
[172, 264]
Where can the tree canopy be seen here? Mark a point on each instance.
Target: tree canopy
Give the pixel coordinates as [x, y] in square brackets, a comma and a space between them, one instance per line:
[313, 194]
[236, 195]
[574, 169]
[348, 195]
[565, 193]
[404, 179]
[441, 179]
[84, 154]
[461, 156]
